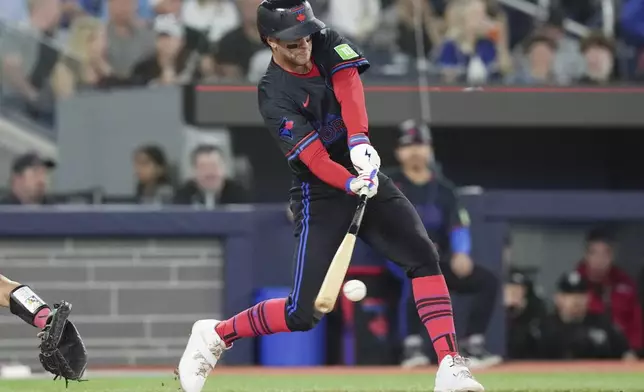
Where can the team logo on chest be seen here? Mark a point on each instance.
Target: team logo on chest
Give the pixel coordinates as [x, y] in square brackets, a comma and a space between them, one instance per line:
[332, 129]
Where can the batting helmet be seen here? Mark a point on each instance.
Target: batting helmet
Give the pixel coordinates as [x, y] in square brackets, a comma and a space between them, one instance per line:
[288, 20]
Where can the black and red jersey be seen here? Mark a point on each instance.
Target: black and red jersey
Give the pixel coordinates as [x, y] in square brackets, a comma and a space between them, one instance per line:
[302, 110]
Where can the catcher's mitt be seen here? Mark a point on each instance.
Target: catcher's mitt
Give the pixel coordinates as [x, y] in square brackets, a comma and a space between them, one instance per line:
[62, 351]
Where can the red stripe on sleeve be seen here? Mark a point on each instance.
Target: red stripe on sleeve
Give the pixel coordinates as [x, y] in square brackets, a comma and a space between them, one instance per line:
[317, 159]
[349, 91]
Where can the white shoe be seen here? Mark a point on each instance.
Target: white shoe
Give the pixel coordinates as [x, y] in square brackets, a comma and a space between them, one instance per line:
[454, 376]
[204, 349]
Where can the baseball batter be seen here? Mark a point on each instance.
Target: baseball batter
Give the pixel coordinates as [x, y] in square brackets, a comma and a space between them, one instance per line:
[312, 102]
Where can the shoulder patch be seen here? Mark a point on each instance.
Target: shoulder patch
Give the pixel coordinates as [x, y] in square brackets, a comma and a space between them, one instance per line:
[286, 127]
[345, 52]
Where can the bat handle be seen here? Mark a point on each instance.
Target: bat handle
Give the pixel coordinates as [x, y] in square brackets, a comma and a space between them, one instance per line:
[363, 193]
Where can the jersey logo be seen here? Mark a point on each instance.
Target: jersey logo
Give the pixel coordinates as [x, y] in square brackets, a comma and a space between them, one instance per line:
[345, 52]
[285, 129]
[301, 18]
[306, 103]
[332, 129]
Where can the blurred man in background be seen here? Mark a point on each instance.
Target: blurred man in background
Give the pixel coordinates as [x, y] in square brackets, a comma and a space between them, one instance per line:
[598, 51]
[447, 224]
[570, 332]
[29, 180]
[29, 55]
[540, 54]
[172, 62]
[210, 186]
[523, 309]
[612, 292]
[129, 39]
[238, 46]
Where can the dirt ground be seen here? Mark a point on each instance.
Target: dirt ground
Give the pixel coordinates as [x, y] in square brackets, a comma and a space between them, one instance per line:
[513, 367]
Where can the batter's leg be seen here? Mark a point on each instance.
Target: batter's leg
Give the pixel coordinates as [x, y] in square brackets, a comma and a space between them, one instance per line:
[23, 302]
[392, 227]
[321, 224]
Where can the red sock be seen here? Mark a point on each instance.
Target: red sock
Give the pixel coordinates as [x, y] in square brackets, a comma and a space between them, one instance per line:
[434, 308]
[265, 318]
[41, 318]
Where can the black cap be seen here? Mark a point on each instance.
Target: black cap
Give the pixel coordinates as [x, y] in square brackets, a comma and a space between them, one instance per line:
[412, 132]
[30, 159]
[287, 20]
[572, 283]
[516, 277]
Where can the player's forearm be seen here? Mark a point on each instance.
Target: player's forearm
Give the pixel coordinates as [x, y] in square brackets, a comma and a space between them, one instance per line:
[6, 287]
[317, 159]
[349, 92]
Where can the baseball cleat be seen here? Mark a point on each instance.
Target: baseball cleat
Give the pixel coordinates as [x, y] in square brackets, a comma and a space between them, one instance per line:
[202, 352]
[454, 376]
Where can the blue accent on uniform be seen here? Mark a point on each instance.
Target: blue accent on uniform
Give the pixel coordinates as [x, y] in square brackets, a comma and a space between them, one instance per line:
[301, 249]
[403, 301]
[347, 185]
[294, 154]
[356, 140]
[461, 240]
[349, 65]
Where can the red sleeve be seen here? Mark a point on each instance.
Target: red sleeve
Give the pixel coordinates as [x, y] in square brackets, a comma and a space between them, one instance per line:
[349, 91]
[317, 159]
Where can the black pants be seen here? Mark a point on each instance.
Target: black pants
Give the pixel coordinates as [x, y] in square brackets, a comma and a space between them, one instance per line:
[482, 284]
[390, 226]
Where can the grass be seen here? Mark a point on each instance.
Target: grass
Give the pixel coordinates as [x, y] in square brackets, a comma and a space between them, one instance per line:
[512, 382]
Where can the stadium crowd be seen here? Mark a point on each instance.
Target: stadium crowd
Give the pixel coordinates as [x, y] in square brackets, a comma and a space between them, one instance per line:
[52, 49]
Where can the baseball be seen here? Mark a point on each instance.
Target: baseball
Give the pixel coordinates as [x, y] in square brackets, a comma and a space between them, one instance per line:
[354, 290]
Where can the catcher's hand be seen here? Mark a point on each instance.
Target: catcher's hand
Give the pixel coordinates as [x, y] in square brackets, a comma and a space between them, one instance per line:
[62, 351]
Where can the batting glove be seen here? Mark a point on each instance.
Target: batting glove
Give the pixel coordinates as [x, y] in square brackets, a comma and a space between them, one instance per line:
[365, 158]
[366, 183]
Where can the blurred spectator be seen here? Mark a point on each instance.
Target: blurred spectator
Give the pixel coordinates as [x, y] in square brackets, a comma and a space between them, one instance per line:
[356, 20]
[214, 18]
[29, 55]
[13, 11]
[29, 179]
[129, 40]
[612, 293]
[172, 63]
[523, 310]
[447, 224]
[144, 9]
[152, 171]
[572, 333]
[599, 54]
[540, 52]
[431, 25]
[85, 64]
[631, 27]
[467, 53]
[194, 39]
[237, 47]
[210, 186]
[569, 64]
